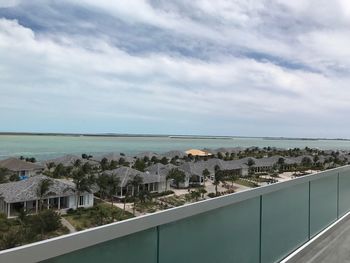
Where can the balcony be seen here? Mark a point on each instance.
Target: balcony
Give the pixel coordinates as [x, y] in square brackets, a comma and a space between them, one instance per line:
[262, 225]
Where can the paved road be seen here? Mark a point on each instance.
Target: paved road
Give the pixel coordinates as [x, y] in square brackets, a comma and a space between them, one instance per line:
[332, 247]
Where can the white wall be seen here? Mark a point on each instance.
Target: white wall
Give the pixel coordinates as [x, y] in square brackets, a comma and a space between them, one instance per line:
[71, 202]
[88, 201]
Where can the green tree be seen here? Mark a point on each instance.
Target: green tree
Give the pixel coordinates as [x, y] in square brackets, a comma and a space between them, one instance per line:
[101, 215]
[102, 183]
[83, 182]
[11, 238]
[77, 163]
[4, 175]
[59, 171]
[104, 164]
[250, 164]
[44, 222]
[42, 190]
[202, 191]
[144, 195]
[164, 161]
[177, 175]
[232, 177]
[205, 174]
[51, 165]
[140, 165]
[113, 165]
[220, 155]
[121, 161]
[113, 183]
[135, 183]
[217, 179]
[195, 195]
[306, 161]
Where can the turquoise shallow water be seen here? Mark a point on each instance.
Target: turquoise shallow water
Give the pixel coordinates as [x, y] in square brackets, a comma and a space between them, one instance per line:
[44, 147]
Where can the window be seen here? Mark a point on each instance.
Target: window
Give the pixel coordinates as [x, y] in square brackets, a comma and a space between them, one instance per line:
[81, 200]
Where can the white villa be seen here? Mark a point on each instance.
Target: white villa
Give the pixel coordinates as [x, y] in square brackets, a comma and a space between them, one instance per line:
[19, 195]
[21, 167]
[153, 180]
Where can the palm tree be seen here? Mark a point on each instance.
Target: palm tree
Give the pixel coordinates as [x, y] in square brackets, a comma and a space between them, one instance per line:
[77, 163]
[127, 193]
[205, 174]
[232, 178]
[102, 183]
[250, 164]
[217, 179]
[177, 175]
[82, 181]
[43, 190]
[135, 183]
[113, 184]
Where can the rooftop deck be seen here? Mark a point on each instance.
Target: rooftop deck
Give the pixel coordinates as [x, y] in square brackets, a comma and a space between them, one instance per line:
[332, 246]
[262, 225]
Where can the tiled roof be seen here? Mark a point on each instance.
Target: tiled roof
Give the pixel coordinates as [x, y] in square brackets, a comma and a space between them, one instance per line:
[16, 165]
[26, 190]
[126, 173]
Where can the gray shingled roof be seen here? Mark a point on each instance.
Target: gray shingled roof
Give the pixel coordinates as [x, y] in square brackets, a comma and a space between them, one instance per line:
[126, 173]
[114, 157]
[172, 154]
[26, 190]
[198, 167]
[161, 170]
[68, 160]
[148, 154]
[16, 165]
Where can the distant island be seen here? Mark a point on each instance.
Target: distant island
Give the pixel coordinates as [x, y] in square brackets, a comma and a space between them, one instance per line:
[167, 136]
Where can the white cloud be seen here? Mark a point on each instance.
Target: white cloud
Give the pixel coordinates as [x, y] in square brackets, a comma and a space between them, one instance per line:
[9, 3]
[66, 77]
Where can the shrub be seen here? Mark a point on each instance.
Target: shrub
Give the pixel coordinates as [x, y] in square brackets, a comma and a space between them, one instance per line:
[211, 195]
[168, 192]
[45, 221]
[70, 211]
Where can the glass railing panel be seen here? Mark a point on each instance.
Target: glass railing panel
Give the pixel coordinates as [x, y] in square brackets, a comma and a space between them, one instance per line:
[323, 202]
[285, 222]
[228, 234]
[344, 191]
[134, 248]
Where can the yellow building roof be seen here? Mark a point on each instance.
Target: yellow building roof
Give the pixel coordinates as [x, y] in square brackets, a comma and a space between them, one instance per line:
[196, 152]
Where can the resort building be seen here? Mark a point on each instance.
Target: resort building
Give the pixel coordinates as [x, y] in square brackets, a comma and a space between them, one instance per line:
[194, 170]
[69, 160]
[21, 167]
[151, 182]
[61, 195]
[196, 152]
[162, 171]
[114, 157]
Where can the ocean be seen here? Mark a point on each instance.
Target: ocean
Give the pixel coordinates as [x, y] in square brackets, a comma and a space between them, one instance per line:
[46, 147]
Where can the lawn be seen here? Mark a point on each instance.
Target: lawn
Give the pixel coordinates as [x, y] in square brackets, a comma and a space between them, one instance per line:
[246, 183]
[100, 214]
[29, 229]
[149, 207]
[173, 200]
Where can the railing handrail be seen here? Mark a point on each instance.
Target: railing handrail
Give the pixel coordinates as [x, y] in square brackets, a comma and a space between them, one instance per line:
[61, 245]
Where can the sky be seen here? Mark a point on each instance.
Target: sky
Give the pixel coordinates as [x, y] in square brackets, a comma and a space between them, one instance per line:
[224, 67]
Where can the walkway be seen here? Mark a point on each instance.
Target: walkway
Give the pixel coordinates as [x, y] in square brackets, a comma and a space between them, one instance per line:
[68, 225]
[332, 247]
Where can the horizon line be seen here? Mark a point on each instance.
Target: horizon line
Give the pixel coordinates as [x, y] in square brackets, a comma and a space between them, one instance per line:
[195, 136]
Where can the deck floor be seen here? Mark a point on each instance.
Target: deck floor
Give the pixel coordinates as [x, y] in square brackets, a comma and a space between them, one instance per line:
[332, 247]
